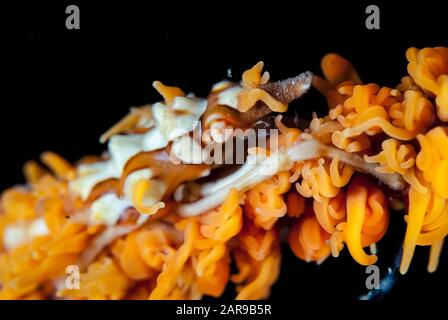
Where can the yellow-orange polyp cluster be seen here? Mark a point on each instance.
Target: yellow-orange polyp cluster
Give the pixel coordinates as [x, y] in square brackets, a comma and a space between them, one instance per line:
[117, 219]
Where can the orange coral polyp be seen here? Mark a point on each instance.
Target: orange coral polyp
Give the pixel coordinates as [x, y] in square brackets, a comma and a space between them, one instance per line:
[309, 241]
[367, 219]
[251, 92]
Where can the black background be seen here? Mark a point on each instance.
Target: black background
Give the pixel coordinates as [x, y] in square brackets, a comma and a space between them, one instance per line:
[62, 88]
